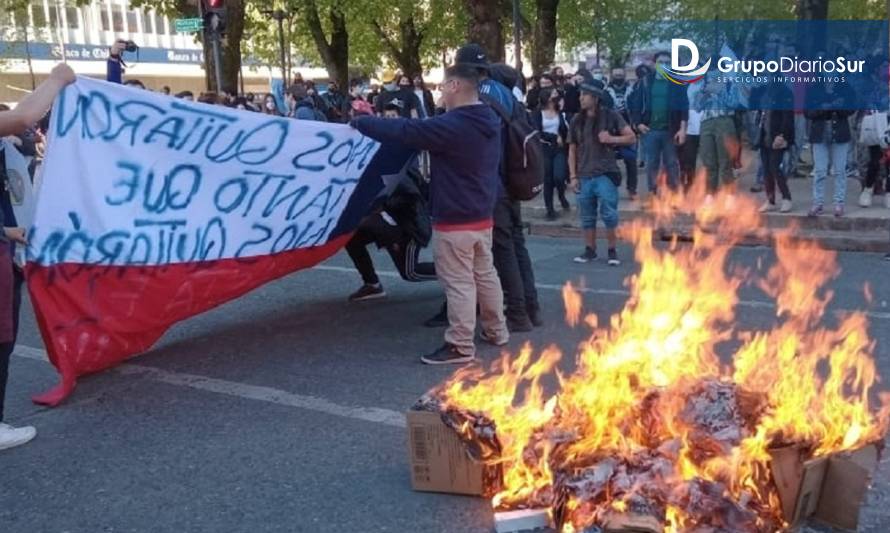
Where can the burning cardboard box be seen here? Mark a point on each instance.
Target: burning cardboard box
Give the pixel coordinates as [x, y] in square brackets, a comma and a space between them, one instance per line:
[444, 461]
[830, 489]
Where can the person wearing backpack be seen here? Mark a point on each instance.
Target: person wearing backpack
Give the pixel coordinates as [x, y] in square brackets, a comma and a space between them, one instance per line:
[551, 122]
[464, 151]
[594, 134]
[511, 257]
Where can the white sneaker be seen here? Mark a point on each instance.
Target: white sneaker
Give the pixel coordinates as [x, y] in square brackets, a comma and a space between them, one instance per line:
[786, 206]
[11, 437]
[865, 197]
[767, 207]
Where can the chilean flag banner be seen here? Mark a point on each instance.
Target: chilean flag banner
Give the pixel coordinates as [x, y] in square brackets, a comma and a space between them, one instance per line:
[152, 210]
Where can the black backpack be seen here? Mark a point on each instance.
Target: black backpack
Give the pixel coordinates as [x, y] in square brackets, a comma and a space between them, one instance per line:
[523, 160]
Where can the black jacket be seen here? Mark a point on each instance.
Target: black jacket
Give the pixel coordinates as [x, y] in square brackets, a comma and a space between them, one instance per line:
[829, 124]
[639, 104]
[429, 103]
[775, 102]
[408, 207]
[549, 138]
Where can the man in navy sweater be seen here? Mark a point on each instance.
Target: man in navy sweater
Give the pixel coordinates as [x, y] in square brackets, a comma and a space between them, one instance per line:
[465, 149]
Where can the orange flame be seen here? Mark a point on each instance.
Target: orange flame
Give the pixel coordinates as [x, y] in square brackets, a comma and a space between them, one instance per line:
[803, 381]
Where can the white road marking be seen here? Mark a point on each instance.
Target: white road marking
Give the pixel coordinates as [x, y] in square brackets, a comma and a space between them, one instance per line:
[376, 415]
[756, 304]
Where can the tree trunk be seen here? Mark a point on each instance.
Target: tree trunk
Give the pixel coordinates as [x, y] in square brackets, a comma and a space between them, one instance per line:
[229, 51]
[334, 53]
[812, 9]
[405, 53]
[485, 27]
[544, 38]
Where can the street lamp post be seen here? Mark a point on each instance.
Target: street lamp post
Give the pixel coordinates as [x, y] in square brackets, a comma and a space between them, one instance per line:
[280, 16]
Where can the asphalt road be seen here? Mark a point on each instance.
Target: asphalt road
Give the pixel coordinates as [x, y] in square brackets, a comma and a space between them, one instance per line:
[282, 411]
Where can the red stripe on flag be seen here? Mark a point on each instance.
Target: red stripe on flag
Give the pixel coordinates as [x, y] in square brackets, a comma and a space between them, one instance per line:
[94, 317]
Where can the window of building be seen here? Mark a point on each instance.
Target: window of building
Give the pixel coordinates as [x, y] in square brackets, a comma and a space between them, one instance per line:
[117, 19]
[39, 15]
[54, 14]
[132, 22]
[106, 24]
[73, 16]
[158, 23]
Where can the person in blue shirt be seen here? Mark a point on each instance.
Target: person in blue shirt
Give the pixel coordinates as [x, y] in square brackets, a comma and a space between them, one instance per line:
[464, 145]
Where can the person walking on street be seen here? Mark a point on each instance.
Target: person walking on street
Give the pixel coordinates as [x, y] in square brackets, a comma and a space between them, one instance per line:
[659, 110]
[465, 149]
[551, 122]
[619, 91]
[718, 138]
[593, 136]
[830, 135]
[775, 133]
[511, 257]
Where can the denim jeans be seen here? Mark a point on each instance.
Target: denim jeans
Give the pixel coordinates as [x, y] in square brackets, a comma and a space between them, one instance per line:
[836, 154]
[659, 152]
[598, 193]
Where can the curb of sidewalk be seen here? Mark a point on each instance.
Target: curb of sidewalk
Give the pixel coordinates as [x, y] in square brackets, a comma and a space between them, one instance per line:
[848, 235]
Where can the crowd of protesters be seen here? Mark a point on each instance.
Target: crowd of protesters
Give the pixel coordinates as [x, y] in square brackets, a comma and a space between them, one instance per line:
[455, 194]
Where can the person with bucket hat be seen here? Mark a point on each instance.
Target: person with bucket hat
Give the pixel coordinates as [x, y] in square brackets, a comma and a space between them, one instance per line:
[594, 134]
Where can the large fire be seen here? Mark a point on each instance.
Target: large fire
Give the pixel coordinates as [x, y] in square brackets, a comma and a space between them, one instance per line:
[650, 419]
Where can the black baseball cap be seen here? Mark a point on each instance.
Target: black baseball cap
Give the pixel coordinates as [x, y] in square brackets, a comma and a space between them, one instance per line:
[471, 55]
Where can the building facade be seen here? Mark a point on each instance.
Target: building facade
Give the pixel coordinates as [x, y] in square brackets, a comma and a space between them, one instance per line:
[51, 30]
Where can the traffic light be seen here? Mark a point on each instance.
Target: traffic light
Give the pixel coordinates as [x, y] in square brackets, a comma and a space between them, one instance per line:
[215, 16]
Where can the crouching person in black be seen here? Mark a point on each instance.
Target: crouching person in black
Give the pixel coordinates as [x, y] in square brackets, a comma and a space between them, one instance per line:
[402, 225]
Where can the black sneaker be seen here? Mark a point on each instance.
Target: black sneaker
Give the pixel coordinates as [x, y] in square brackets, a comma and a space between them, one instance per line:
[440, 320]
[551, 216]
[887, 257]
[588, 256]
[564, 203]
[520, 324]
[447, 354]
[368, 292]
[756, 189]
[613, 258]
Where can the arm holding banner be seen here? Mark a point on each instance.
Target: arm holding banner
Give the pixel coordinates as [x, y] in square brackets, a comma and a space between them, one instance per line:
[35, 105]
[434, 134]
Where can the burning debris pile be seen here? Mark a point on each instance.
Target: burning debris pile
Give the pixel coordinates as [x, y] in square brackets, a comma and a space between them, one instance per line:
[652, 430]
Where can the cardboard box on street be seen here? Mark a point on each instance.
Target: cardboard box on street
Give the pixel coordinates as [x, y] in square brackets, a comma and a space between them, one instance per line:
[439, 460]
[829, 489]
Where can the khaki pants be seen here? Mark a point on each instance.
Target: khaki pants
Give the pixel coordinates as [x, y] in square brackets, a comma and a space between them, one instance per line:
[465, 267]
